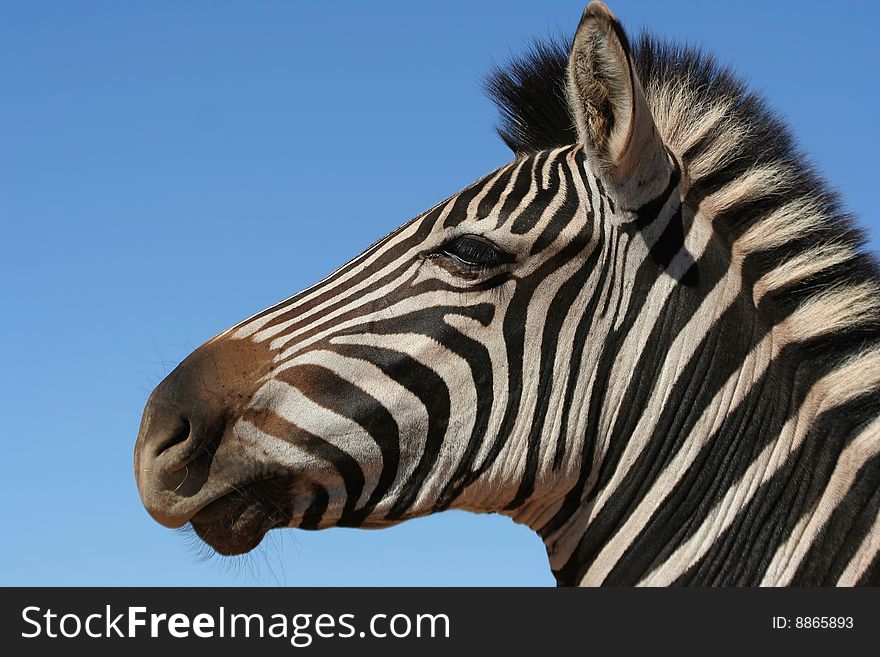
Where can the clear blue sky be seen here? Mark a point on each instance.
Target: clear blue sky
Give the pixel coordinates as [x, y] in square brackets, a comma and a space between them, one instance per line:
[169, 168]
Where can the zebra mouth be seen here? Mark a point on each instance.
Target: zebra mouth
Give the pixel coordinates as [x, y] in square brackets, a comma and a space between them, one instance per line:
[236, 523]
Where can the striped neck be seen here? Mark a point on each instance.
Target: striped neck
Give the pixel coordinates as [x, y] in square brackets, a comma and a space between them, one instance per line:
[686, 452]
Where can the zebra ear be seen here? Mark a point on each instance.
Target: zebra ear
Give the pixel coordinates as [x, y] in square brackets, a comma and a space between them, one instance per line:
[613, 119]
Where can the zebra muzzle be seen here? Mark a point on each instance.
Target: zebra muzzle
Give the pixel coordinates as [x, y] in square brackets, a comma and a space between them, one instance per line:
[179, 461]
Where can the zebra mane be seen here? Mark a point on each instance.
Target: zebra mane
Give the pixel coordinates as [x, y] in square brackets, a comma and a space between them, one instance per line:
[800, 253]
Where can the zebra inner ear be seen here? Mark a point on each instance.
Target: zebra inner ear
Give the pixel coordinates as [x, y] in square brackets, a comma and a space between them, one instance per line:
[613, 119]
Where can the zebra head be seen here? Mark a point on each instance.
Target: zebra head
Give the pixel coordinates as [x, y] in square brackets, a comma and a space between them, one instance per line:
[408, 381]
[651, 337]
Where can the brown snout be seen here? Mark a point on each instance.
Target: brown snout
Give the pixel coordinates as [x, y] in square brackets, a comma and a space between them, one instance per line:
[184, 423]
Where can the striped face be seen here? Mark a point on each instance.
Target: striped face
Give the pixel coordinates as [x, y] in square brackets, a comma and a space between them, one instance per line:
[446, 366]
[399, 385]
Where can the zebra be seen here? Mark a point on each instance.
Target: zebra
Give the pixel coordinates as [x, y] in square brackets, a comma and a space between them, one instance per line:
[653, 337]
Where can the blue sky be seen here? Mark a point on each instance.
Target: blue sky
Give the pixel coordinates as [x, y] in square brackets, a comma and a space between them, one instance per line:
[167, 169]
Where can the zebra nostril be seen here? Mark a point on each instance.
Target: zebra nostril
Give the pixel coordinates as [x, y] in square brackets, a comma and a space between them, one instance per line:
[177, 434]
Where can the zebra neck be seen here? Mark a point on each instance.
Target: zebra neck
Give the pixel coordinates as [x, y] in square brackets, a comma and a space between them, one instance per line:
[670, 451]
[714, 467]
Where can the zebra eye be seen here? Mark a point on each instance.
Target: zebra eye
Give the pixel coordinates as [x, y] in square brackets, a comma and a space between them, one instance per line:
[474, 252]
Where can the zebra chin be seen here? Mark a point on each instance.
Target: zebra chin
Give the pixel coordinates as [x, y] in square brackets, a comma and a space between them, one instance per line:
[238, 522]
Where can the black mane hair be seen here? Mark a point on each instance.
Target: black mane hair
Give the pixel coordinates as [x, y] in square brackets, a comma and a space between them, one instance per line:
[531, 98]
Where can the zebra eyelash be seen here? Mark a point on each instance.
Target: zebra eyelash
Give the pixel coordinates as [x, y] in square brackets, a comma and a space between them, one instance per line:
[472, 253]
